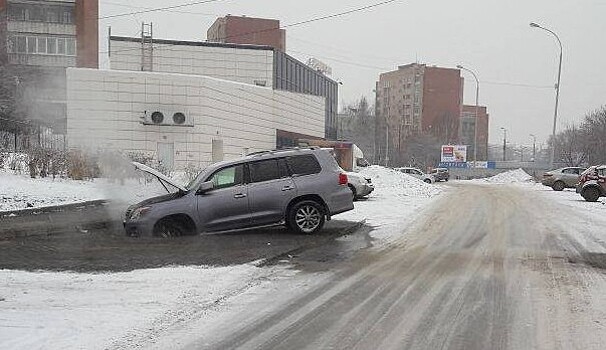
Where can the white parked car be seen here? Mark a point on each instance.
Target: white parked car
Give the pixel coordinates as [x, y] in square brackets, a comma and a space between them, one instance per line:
[414, 172]
[359, 185]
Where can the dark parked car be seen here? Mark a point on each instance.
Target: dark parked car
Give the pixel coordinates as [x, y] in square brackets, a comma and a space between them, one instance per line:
[562, 178]
[441, 174]
[592, 184]
[300, 188]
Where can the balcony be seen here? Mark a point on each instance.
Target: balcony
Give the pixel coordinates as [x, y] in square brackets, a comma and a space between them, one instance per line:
[41, 60]
[41, 28]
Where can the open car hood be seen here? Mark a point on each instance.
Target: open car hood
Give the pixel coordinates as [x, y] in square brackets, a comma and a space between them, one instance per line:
[161, 177]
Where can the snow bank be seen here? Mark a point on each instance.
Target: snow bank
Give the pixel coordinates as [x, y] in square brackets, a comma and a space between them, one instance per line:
[512, 176]
[391, 182]
[91, 311]
[397, 200]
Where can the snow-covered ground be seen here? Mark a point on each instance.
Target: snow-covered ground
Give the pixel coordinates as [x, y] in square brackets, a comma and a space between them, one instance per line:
[120, 310]
[507, 177]
[22, 192]
[397, 200]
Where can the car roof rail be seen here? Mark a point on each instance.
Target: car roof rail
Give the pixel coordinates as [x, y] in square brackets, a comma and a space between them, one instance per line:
[285, 149]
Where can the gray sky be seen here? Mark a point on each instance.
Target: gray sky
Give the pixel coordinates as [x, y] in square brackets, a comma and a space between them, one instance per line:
[491, 37]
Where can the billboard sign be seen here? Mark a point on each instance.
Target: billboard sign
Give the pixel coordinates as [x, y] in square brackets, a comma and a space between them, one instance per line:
[454, 154]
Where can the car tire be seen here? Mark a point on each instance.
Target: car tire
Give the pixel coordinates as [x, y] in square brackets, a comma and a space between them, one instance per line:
[427, 181]
[591, 194]
[167, 228]
[354, 192]
[558, 186]
[306, 217]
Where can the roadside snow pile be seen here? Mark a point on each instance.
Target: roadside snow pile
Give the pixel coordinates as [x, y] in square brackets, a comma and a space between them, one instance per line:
[391, 182]
[512, 176]
[397, 201]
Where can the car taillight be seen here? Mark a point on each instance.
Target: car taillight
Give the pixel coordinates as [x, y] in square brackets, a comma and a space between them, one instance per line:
[342, 179]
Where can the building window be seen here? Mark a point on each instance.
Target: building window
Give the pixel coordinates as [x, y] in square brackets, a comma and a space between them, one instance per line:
[31, 44]
[52, 15]
[21, 44]
[61, 46]
[51, 46]
[67, 17]
[41, 46]
[70, 47]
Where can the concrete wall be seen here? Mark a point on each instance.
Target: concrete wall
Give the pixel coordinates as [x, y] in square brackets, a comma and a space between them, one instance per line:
[105, 108]
[250, 66]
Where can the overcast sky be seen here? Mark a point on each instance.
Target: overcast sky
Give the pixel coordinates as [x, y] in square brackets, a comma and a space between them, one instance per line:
[517, 65]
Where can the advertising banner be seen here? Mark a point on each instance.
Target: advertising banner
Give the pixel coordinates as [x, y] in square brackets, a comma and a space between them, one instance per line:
[454, 154]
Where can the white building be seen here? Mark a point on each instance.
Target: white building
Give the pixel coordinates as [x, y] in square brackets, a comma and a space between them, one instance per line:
[204, 119]
[250, 64]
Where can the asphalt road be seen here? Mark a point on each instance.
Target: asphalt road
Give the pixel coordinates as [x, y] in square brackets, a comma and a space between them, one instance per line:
[492, 267]
[90, 238]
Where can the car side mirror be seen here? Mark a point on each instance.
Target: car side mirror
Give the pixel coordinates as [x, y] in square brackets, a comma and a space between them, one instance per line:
[205, 187]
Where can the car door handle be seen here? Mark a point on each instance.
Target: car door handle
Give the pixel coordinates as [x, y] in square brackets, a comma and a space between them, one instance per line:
[240, 195]
[287, 188]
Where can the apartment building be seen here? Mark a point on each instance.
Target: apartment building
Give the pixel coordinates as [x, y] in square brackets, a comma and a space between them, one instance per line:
[467, 131]
[248, 30]
[38, 41]
[417, 99]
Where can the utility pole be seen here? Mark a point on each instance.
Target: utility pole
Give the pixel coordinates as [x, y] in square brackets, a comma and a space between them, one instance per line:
[504, 144]
[557, 99]
[534, 147]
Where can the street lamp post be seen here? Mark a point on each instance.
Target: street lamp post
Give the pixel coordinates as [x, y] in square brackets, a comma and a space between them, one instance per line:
[504, 144]
[475, 128]
[555, 114]
[534, 147]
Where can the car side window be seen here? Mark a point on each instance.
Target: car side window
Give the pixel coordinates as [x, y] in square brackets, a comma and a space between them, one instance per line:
[228, 177]
[602, 172]
[303, 165]
[568, 171]
[267, 170]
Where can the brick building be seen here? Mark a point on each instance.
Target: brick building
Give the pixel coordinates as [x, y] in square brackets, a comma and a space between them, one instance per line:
[413, 100]
[467, 131]
[248, 30]
[38, 41]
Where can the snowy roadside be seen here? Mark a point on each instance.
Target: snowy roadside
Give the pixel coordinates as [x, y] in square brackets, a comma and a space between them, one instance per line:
[397, 201]
[125, 310]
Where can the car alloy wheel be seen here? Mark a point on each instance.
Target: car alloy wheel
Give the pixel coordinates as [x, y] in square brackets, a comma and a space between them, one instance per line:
[168, 229]
[558, 186]
[308, 218]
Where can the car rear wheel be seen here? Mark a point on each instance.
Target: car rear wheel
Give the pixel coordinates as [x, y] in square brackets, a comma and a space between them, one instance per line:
[306, 217]
[168, 228]
[354, 192]
[591, 194]
[428, 181]
[558, 186]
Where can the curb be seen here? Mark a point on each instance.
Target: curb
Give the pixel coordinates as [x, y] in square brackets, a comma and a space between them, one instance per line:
[51, 209]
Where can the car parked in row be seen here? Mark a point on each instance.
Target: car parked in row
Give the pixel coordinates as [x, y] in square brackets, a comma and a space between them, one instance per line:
[359, 185]
[414, 172]
[592, 184]
[562, 178]
[300, 188]
[441, 174]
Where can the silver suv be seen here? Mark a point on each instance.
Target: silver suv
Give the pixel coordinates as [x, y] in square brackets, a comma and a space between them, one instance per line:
[301, 188]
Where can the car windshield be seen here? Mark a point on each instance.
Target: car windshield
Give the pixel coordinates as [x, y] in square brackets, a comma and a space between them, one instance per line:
[363, 174]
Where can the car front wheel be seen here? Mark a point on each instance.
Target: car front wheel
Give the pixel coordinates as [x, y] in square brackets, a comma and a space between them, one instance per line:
[168, 228]
[428, 181]
[591, 194]
[306, 217]
[558, 186]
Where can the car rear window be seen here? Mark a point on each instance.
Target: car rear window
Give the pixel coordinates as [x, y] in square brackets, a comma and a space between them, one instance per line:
[303, 165]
